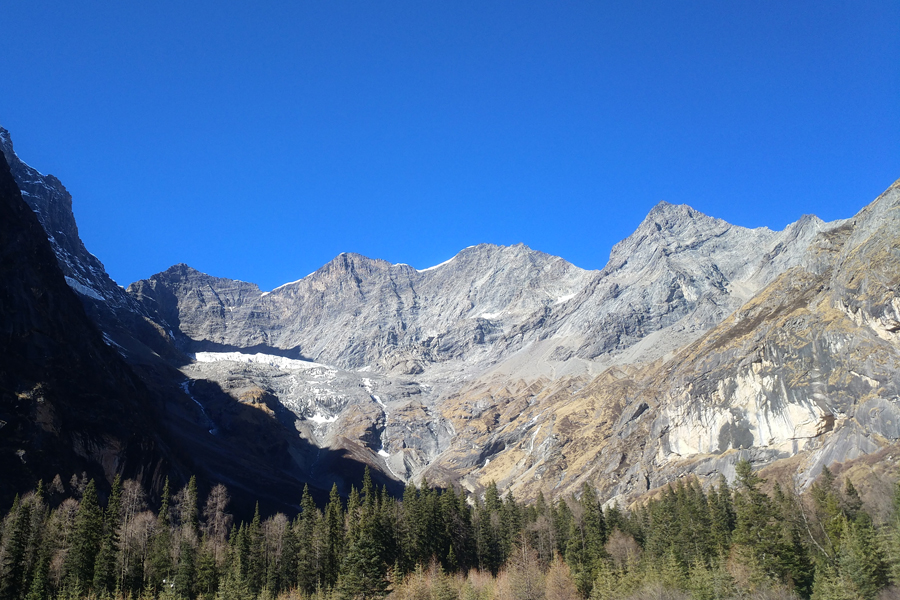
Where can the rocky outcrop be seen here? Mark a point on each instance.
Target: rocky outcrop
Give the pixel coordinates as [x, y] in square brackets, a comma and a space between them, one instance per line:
[89, 380]
[52, 204]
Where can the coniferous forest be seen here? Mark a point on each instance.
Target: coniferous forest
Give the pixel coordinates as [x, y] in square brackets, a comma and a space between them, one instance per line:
[688, 543]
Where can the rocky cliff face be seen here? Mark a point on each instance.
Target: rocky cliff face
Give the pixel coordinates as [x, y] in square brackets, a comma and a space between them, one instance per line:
[123, 321]
[52, 204]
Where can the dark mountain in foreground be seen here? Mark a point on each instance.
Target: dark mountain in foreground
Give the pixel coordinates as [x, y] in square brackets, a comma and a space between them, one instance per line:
[68, 402]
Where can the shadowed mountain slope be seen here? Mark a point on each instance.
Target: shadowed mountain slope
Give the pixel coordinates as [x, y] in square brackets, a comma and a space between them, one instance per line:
[68, 403]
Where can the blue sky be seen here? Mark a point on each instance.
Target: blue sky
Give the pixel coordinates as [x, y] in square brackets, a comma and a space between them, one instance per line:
[259, 140]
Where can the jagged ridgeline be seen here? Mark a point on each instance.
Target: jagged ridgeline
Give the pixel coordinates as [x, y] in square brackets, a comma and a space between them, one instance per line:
[746, 540]
[699, 344]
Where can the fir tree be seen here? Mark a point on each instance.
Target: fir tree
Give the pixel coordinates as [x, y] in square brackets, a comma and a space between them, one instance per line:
[334, 537]
[860, 562]
[105, 569]
[757, 528]
[721, 516]
[362, 573]
[308, 556]
[38, 588]
[12, 550]
[256, 567]
[86, 537]
[160, 559]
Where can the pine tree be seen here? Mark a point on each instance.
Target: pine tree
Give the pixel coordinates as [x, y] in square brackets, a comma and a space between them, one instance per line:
[721, 516]
[35, 534]
[510, 525]
[354, 516]
[207, 572]
[362, 573]
[185, 571]
[308, 552]
[487, 531]
[87, 534]
[256, 557]
[860, 561]
[187, 539]
[38, 588]
[287, 566]
[12, 550]
[334, 537]
[368, 491]
[160, 559]
[105, 569]
[234, 585]
[757, 528]
[828, 513]
[561, 517]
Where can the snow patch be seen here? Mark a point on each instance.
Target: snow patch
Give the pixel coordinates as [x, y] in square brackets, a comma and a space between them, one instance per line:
[83, 289]
[383, 452]
[491, 315]
[259, 358]
[565, 298]
[435, 266]
[319, 418]
[109, 342]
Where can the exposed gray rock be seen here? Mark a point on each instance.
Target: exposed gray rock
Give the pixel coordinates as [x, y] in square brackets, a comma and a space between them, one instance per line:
[809, 366]
[491, 313]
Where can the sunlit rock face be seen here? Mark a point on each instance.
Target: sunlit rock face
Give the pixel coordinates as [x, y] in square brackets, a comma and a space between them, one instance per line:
[808, 368]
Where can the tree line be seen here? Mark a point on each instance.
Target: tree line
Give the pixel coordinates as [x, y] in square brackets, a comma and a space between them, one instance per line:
[440, 544]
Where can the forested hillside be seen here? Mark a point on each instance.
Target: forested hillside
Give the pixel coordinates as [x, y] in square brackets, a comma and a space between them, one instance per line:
[726, 542]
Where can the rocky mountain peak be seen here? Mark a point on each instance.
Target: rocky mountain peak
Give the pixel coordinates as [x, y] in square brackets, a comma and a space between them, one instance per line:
[6, 144]
[354, 265]
[52, 204]
[666, 231]
[677, 224]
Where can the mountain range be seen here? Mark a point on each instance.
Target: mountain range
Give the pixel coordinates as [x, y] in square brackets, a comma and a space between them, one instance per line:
[699, 343]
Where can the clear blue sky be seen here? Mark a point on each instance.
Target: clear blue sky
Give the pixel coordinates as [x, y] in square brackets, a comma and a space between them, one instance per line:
[259, 140]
